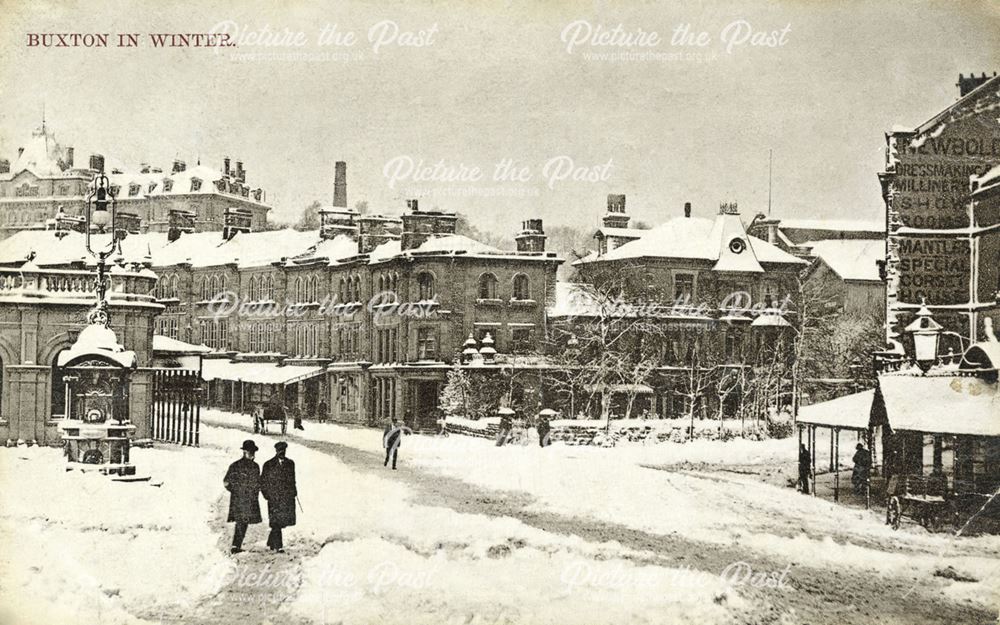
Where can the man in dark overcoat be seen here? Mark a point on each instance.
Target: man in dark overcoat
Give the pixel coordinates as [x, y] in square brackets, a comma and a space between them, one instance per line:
[805, 469]
[277, 484]
[243, 483]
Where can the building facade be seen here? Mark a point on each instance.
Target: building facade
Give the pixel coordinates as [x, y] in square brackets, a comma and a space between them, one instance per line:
[716, 299]
[45, 180]
[941, 248]
[42, 312]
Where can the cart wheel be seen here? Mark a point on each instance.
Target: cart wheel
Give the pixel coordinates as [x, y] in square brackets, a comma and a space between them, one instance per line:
[933, 520]
[894, 513]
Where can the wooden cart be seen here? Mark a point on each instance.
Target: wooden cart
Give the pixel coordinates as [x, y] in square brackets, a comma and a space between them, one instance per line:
[265, 413]
[922, 498]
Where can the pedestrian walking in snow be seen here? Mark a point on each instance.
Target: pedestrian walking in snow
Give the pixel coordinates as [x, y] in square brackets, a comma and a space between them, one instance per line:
[277, 484]
[322, 412]
[544, 427]
[297, 418]
[243, 483]
[862, 467]
[506, 426]
[391, 437]
[805, 470]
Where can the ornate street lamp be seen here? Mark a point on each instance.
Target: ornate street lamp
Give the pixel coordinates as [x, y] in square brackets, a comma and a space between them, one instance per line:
[926, 335]
[101, 213]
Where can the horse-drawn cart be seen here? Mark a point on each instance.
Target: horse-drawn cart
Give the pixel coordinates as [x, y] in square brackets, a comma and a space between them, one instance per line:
[929, 501]
[265, 413]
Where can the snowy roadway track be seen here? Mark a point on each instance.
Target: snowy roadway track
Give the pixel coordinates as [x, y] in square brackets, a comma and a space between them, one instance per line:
[465, 532]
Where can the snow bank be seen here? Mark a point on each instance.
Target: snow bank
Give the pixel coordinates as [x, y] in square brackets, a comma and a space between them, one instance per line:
[99, 547]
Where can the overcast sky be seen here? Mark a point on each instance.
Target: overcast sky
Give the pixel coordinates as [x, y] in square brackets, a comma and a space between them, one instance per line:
[500, 83]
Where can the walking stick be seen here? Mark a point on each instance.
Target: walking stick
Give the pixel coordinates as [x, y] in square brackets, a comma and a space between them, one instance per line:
[300, 504]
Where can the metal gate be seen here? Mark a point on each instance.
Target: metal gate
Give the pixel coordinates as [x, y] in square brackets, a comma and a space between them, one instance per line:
[176, 406]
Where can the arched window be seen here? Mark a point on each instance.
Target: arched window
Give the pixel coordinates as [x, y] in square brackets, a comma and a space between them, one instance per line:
[314, 287]
[214, 288]
[269, 291]
[175, 286]
[357, 289]
[381, 284]
[487, 286]
[521, 290]
[425, 286]
[298, 289]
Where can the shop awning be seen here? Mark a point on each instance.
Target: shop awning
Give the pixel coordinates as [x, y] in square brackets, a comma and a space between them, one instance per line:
[941, 405]
[257, 372]
[849, 412]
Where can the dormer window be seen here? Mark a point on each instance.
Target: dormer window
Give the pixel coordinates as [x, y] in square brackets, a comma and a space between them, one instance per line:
[133, 190]
[195, 184]
[115, 189]
[168, 185]
[152, 186]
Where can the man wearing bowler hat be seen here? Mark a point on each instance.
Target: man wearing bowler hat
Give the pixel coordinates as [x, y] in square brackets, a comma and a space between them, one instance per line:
[277, 484]
[243, 483]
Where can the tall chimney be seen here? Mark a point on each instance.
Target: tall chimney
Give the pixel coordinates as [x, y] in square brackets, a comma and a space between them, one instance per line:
[687, 209]
[616, 217]
[225, 165]
[340, 184]
[69, 158]
[241, 175]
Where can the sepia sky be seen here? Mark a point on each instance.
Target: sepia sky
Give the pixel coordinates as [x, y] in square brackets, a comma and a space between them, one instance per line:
[496, 82]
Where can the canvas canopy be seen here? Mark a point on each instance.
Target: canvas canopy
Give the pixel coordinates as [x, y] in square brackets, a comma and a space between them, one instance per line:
[257, 372]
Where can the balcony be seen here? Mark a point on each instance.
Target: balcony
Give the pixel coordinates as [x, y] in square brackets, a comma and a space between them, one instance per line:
[129, 287]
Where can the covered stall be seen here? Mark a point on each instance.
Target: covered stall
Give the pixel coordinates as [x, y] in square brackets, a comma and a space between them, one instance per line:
[850, 413]
[246, 386]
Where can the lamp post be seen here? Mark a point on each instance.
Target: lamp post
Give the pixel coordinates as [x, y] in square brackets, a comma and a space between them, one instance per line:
[926, 335]
[101, 213]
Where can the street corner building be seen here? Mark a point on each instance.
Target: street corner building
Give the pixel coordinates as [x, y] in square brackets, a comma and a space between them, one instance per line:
[941, 198]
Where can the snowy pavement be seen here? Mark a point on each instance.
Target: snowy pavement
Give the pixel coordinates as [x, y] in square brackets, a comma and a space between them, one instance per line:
[465, 532]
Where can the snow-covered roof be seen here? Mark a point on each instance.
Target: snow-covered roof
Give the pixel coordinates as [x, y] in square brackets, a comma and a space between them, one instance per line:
[97, 340]
[701, 239]
[851, 259]
[633, 233]
[152, 184]
[834, 225]
[42, 156]
[941, 404]
[850, 411]
[166, 344]
[256, 372]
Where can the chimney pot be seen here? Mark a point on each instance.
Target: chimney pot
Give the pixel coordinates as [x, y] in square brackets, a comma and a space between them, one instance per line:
[687, 209]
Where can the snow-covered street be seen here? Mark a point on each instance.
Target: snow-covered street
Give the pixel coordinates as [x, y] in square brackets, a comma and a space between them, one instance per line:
[465, 532]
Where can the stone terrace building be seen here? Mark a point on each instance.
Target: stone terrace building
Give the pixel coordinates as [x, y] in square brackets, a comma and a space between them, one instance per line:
[45, 177]
[375, 308]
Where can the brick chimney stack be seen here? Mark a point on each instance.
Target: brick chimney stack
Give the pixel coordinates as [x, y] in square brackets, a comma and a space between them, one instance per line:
[687, 210]
[968, 83]
[178, 167]
[69, 158]
[374, 230]
[4, 166]
[532, 236]
[340, 184]
[225, 165]
[616, 216]
[419, 226]
[97, 162]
